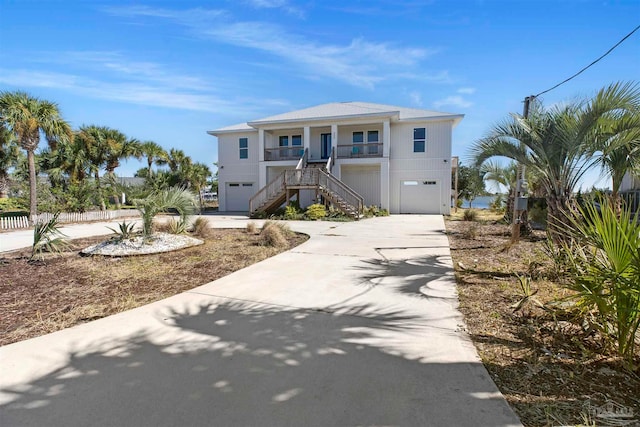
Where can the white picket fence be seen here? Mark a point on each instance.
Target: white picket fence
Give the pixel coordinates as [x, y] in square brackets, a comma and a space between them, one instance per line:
[23, 221]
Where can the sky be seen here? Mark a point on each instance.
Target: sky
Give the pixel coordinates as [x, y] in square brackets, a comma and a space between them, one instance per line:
[168, 71]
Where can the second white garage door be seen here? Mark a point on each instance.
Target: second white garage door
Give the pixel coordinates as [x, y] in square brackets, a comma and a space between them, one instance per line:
[420, 196]
[237, 196]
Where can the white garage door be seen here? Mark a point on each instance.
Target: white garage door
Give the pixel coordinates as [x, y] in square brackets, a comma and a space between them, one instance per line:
[237, 196]
[420, 196]
[364, 180]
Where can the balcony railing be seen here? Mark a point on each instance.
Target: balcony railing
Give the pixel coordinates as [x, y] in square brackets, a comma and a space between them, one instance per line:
[354, 151]
[283, 153]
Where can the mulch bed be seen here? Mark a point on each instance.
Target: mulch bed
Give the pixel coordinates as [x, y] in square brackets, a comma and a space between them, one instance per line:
[67, 289]
[550, 369]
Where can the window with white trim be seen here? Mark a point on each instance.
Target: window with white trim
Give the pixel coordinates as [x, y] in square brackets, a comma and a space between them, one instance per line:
[419, 140]
[243, 145]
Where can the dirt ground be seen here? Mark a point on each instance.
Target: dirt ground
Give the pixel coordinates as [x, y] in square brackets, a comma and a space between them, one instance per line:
[67, 289]
[549, 368]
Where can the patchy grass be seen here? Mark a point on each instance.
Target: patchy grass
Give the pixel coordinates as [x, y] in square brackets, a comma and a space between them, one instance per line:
[550, 369]
[69, 289]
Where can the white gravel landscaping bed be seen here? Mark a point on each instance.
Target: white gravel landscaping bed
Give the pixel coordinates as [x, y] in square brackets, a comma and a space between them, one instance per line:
[157, 243]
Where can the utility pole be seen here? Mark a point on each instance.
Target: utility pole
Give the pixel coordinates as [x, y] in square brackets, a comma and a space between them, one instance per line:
[520, 178]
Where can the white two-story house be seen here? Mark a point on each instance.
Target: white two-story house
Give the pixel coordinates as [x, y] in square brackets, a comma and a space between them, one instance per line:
[392, 157]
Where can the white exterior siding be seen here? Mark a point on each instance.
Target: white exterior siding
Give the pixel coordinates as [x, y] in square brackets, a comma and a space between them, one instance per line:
[378, 179]
[364, 180]
[234, 170]
[432, 165]
[630, 182]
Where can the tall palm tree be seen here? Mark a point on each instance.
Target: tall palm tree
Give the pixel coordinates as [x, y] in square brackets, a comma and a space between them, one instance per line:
[27, 117]
[154, 154]
[9, 152]
[198, 175]
[118, 147]
[615, 139]
[548, 141]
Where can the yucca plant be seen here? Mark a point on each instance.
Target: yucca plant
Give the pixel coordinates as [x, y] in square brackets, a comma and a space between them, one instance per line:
[603, 255]
[47, 237]
[177, 226]
[528, 294]
[125, 231]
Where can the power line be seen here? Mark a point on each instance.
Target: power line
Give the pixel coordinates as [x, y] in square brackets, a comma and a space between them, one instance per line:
[594, 62]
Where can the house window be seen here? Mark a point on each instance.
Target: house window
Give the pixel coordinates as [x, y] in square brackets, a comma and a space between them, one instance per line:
[358, 137]
[296, 141]
[419, 138]
[284, 141]
[372, 138]
[244, 148]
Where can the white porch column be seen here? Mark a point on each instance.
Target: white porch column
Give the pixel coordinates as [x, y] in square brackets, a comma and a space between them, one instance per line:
[384, 183]
[334, 136]
[261, 145]
[306, 138]
[386, 138]
[262, 175]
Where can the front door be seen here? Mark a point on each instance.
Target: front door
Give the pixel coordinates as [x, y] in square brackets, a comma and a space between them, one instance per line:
[325, 145]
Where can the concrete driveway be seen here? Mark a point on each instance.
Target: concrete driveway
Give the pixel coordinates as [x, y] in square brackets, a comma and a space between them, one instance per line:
[357, 326]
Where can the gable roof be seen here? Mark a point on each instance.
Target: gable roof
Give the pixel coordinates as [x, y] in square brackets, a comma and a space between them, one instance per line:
[343, 110]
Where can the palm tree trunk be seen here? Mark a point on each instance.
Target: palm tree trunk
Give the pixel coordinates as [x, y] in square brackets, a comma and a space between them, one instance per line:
[112, 179]
[33, 180]
[103, 207]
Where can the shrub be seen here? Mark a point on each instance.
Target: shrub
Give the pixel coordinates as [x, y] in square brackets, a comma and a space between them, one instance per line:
[176, 226]
[470, 232]
[252, 228]
[373, 210]
[124, 232]
[274, 234]
[315, 212]
[180, 199]
[470, 215]
[291, 212]
[10, 204]
[47, 237]
[200, 227]
[499, 204]
[602, 249]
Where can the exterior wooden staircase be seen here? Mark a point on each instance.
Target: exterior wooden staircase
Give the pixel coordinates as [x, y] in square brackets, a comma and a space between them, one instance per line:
[289, 182]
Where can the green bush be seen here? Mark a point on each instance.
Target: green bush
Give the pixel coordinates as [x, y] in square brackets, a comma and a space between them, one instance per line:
[602, 249]
[11, 204]
[315, 212]
[470, 215]
[291, 212]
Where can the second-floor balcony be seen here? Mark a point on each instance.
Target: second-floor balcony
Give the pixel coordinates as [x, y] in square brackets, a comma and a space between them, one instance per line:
[283, 153]
[350, 151]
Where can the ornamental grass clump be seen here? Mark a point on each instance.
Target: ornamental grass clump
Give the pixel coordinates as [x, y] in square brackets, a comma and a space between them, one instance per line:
[274, 234]
[602, 251]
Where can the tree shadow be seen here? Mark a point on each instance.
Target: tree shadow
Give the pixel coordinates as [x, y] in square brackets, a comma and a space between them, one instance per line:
[247, 364]
[425, 277]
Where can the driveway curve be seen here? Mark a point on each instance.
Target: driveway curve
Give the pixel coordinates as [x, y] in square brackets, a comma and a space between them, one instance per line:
[357, 326]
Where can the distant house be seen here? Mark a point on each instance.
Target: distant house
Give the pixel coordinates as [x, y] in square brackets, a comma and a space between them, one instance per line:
[346, 154]
[630, 191]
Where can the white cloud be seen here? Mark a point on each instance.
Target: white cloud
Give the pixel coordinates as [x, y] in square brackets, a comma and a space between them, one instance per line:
[360, 62]
[453, 101]
[277, 4]
[416, 99]
[467, 90]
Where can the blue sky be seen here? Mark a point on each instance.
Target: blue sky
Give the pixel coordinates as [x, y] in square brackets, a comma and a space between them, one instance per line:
[168, 71]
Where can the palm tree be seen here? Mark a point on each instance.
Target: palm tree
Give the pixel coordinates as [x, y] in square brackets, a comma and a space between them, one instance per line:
[615, 140]
[154, 154]
[9, 152]
[27, 117]
[549, 142]
[199, 173]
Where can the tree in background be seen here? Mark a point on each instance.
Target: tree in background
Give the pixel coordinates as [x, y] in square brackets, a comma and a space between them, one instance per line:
[9, 152]
[470, 183]
[154, 154]
[27, 117]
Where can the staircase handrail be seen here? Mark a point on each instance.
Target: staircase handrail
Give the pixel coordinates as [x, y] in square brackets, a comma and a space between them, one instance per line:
[274, 187]
[330, 160]
[302, 163]
[342, 190]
